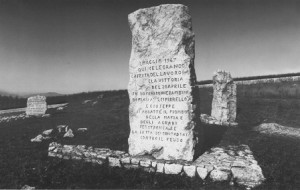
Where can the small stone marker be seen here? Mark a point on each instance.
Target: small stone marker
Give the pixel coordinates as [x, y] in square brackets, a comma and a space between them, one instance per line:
[224, 98]
[161, 88]
[36, 105]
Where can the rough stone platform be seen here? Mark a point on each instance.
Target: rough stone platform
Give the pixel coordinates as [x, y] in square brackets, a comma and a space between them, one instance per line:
[211, 120]
[232, 163]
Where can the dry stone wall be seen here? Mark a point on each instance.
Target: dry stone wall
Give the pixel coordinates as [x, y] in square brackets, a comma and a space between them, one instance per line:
[162, 109]
[232, 163]
[259, 81]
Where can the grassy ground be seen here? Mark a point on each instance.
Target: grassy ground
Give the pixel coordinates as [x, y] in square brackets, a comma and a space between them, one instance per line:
[23, 162]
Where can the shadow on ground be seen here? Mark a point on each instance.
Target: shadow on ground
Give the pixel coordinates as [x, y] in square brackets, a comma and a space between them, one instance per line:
[212, 136]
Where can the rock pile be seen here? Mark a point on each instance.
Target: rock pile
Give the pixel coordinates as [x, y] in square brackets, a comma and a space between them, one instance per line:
[40, 138]
[235, 162]
[91, 102]
[224, 97]
[232, 163]
[86, 101]
[60, 108]
[69, 133]
[60, 130]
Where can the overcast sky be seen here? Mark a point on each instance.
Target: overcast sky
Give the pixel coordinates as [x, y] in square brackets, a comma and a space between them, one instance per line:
[69, 46]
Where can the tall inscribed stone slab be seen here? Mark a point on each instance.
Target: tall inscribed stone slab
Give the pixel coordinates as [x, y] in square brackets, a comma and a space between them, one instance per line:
[36, 105]
[161, 88]
[224, 97]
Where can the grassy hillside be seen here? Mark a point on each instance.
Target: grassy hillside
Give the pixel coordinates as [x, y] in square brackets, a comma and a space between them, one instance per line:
[106, 117]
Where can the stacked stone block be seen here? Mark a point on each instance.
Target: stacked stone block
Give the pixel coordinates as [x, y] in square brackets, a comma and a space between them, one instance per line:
[224, 97]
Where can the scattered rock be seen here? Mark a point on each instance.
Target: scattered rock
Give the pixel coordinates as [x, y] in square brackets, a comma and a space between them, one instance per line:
[47, 132]
[69, 134]
[62, 127]
[60, 108]
[27, 187]
[59, 131]
[38, 138]
[82, 129]
[86, 101]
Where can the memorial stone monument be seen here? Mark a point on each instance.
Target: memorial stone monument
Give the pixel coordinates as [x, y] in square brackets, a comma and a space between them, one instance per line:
[163, 112]
[224, 97]
[36, 105]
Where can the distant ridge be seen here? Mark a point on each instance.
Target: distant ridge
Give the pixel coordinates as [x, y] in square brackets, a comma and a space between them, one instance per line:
[26, 95]
[47, 94]
[4, 93]
[254, 78]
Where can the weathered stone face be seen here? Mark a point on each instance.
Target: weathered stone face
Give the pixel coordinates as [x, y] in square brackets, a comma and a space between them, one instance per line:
[36, 105]
[224, 98]
[161, 86]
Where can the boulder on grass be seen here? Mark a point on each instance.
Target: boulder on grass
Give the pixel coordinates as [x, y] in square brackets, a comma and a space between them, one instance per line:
[82, 129]
[47, 132]
[38, 138]
[27, 187]
[69, 134]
